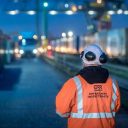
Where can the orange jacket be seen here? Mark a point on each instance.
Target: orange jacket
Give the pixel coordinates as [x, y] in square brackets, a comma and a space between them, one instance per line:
[88, 105]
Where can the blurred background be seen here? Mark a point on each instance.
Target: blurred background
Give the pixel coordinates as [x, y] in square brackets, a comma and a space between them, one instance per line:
[40, 43]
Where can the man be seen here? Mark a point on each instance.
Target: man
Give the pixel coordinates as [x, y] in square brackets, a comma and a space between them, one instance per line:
[91, 98]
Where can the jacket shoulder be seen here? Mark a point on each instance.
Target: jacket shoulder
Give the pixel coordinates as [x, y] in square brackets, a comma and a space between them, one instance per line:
[70, 83]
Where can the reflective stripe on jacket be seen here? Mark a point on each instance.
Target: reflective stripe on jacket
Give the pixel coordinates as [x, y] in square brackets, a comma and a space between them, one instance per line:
[88, 105]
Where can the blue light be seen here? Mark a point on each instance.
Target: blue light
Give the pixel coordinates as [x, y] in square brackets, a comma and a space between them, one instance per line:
[45, 4]
[23, 42]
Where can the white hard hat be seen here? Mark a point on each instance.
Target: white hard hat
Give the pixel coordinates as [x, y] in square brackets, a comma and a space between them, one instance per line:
[93, 55]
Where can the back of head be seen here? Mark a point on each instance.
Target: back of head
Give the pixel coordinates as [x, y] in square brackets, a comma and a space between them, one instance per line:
[93, 55]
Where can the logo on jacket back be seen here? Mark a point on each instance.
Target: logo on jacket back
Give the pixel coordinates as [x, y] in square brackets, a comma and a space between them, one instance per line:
[97, 92]
[97, 87]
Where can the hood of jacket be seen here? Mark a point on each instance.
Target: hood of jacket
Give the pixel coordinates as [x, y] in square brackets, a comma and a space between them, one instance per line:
[94, 74]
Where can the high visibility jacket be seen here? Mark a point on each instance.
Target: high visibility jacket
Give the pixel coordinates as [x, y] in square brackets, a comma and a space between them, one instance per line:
[88, 105]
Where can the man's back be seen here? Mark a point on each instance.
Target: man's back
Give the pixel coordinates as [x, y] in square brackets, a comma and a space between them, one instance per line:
[91, 98]
[88, 104]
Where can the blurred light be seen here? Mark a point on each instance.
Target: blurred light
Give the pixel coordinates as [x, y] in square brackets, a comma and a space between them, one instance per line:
[63, 49]
[35, 37]
[70, 39]
[91, 12]
[49, 47]
[16, 50]
[20, 37]
[15, 1]
[70, 33]
[66, 5]
[69, 12]
[14, 12]
[34, 51]
[63, 34]
[120, 11]
[1, 51]
[126, 12]
[114, 6]
[90, 27]
[11, 51]
[74, 8]
[64, 39]
[80, 7]
[31, 12]
[57, 49]
[108, 50]
[6, 51]
[99, 1]
[53, 12]
[41, 50]
[43, 37]
[111, 12]
[45, 4]
[21, 51]
[23, 42]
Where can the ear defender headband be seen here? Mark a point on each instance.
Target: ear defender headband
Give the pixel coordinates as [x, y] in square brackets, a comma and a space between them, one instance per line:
[90, 56]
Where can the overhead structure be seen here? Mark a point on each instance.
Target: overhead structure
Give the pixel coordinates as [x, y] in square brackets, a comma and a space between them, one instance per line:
[91, 6]
[95, 10]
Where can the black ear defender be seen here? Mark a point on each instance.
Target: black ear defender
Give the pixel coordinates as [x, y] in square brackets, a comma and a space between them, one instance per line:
[90, 56]
[103, 58]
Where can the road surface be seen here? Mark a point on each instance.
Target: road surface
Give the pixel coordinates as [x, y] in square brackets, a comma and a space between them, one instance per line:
[27, 96]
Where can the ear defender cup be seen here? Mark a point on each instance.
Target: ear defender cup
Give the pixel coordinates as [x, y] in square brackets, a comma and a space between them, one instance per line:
[90, 56]
[82, 54]
[103, 58]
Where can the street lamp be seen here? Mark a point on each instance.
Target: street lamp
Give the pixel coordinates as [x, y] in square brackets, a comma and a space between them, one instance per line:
[66, 5]
[126, 12]
[63, 34]
[70, 34]
[45, 4]
[35, 37]
[20, 37]
[111, 12]
[69, 12]
[31, 12]
[53, 12]
[91, 12]
[13, 12]
[120, 11]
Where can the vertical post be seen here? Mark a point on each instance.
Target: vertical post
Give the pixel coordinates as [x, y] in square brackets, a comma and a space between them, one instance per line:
[45, 23]
[45, 19]
[126, 46]
[37, 19]
[77, 43]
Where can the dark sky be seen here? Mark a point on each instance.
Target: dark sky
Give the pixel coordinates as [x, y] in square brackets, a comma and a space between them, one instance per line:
[57, 24]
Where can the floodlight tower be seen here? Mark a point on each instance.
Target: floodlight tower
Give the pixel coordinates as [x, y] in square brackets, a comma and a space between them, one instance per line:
[45, 19]
[37, 19]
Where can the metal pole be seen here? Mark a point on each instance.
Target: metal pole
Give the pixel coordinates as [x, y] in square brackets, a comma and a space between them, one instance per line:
[45, 21]
[37, 19]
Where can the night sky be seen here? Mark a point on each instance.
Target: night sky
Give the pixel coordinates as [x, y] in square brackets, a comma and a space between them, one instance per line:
[57, 23]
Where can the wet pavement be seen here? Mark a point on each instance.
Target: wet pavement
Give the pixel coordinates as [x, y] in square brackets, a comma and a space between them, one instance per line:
[27, 96]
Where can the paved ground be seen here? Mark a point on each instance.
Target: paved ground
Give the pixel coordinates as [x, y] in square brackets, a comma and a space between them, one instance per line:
[27, 96]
